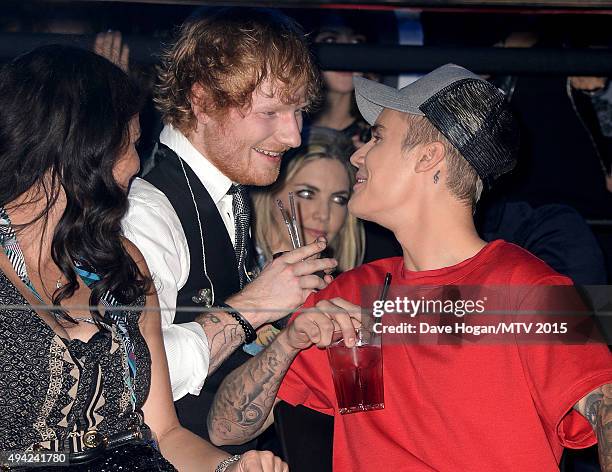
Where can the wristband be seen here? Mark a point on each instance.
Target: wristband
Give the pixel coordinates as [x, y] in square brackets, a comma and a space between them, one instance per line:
[249, 332]
[225, 463]
[596, 92]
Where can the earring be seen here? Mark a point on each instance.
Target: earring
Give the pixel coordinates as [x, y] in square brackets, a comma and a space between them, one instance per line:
[436, 177]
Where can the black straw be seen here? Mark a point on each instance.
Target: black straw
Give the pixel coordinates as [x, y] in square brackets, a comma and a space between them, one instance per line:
[385, 289]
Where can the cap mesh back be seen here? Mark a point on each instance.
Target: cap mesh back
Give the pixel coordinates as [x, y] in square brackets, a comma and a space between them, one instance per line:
[475, 118]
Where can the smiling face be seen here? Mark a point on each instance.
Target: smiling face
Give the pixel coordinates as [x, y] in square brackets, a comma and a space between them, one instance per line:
[322, 189]
[128, 163]
[339, 81]
[247, 145]
[383, 171]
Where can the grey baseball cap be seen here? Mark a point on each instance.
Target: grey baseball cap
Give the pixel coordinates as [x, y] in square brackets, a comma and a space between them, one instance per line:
[469, 111]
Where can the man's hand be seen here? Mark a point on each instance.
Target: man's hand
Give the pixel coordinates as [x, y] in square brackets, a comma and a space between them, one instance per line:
[317, 325]
[258, 461]
[280, 288]
[242, 408]
[284, 284]
[596, 407]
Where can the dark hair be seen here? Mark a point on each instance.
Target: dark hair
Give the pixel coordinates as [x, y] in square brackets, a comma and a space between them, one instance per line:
[64, 121]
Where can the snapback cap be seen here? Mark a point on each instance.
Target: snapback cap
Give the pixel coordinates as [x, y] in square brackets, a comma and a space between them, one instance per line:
[469, 111]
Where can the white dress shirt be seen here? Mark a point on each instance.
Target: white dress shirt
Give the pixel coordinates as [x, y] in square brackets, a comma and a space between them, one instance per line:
[154, 227]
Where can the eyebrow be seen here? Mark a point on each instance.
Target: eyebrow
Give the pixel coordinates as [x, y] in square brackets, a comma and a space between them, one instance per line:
[329, 30]
[280, 106]
[377, 127]
[312, 187]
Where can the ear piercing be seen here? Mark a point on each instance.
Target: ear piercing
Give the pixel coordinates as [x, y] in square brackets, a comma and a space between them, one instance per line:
[436, 177]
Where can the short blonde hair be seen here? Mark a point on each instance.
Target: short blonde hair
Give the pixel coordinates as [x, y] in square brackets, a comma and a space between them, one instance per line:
[230, 53]
[348, 246]
[462, 180]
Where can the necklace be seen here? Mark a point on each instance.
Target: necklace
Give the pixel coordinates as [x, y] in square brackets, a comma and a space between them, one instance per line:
[10, 245]
[195, 206]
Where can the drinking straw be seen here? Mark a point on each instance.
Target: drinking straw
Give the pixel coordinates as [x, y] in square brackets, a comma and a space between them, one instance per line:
[294, 220]
[281, 207]
[385, 289]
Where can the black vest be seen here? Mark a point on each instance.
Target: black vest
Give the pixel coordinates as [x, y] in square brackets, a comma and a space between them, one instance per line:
[221, 265]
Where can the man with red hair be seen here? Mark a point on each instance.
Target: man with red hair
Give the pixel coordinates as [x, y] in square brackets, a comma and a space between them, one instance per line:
[231, 90]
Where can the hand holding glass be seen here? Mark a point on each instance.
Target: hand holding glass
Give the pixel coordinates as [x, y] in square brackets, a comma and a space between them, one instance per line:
[357, 372]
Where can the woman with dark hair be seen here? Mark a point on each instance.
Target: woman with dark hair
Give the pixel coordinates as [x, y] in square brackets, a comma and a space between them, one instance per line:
[83, 373]
[339, 109]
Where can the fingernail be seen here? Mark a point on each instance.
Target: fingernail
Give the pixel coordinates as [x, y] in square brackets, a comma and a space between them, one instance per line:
[322, 240]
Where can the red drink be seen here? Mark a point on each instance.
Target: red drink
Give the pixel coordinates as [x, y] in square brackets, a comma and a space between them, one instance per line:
[358, 377]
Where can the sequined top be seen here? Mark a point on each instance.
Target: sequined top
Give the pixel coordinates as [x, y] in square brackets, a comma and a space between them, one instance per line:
[53, 390]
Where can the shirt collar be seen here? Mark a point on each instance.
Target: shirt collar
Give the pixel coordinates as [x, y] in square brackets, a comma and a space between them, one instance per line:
[216, 183]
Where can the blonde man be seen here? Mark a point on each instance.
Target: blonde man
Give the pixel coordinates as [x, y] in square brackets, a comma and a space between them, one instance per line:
[448, 405]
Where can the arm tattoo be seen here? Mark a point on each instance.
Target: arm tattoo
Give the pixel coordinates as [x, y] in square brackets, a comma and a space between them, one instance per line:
[604, 429]
[591, 407]
[224, 336]
[597, 409]
[247, 395]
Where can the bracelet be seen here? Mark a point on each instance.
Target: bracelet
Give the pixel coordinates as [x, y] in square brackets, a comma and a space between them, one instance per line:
[593, 92]
[225, 463]
[249, 332]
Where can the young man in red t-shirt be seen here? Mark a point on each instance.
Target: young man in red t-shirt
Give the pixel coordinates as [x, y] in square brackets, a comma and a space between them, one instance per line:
[448, 406]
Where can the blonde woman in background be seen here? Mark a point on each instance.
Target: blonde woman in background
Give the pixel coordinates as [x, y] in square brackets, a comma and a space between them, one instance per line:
[321, 178]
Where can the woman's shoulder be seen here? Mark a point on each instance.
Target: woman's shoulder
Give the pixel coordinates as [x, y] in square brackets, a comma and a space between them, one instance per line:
[136, 255]
[150, 298]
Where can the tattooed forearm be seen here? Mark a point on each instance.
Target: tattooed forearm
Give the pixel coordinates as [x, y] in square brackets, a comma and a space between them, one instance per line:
[224, 336]
[591, 407]
[246, 396]
[597, 409]
[604, 429]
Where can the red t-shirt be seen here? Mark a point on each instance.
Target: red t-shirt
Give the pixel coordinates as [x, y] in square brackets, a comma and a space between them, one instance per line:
[503, 407]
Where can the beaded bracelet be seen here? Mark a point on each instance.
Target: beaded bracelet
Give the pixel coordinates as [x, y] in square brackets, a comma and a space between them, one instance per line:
[225, 463]
[249, 332]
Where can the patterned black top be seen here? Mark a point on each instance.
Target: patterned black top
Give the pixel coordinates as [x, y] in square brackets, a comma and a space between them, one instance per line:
[53, 390]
